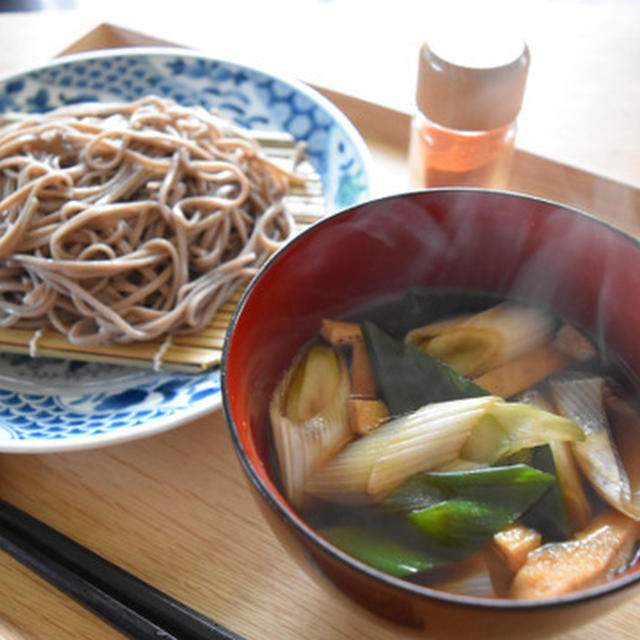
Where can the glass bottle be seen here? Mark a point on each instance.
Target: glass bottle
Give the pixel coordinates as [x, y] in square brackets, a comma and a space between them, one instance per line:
[464, 131]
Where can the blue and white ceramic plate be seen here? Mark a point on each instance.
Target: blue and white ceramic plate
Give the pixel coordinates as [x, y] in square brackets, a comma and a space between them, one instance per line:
[51, 405]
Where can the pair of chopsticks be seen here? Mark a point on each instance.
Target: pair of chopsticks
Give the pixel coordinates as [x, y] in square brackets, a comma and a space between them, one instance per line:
[129, 604]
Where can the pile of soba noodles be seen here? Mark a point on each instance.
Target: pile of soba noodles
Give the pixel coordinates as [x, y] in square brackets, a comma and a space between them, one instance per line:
[124, 222]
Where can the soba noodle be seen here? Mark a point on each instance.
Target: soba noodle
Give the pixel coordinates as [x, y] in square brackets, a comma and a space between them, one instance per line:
[123, 222]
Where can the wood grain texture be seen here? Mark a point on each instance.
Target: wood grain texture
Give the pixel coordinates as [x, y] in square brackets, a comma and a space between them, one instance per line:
[176, 511]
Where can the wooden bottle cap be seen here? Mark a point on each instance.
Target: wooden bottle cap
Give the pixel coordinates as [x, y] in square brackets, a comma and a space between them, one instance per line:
[472, 85]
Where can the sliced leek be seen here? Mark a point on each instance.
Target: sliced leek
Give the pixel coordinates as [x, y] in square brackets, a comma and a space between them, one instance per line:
[345, 478]
[308, 415]
[474, 344]
[429, 438]
[625, 421]
[436, 436]
[581, 399]
[514, 426]
[425, 439]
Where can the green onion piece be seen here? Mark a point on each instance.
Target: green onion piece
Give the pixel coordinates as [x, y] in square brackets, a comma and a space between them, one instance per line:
[513, 487]
[407, 378]
[461, 523]
[465, 508]
[380, 552]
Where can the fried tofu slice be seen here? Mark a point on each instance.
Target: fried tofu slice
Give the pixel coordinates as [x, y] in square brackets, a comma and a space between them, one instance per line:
[339, 333]
[596, 554]
[574, 344]
[532, 367]
[515, 376]
[366, 414]
[507, 552]
[362, 381]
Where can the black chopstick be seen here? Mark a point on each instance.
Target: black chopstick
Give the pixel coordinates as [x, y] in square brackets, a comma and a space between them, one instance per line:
[123, 600]
[101, 603]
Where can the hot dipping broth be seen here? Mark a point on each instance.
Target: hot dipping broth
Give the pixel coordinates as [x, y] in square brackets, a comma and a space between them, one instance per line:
[465, 442]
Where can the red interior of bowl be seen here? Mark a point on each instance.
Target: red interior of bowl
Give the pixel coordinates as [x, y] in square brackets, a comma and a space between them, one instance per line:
[474, 240]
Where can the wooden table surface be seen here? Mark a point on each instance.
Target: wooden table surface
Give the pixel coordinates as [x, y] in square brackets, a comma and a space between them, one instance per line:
[175, 509]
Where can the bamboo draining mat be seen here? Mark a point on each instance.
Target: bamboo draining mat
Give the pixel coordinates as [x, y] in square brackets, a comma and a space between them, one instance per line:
[194, 352]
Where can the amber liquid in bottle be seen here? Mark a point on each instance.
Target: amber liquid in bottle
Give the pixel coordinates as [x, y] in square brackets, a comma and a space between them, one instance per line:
[441, 157]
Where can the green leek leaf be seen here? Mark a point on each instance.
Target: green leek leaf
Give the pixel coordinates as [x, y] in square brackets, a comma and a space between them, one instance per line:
[509, 486]
[461, 523]
[407, 378]
[465, 508]
[380, 552]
